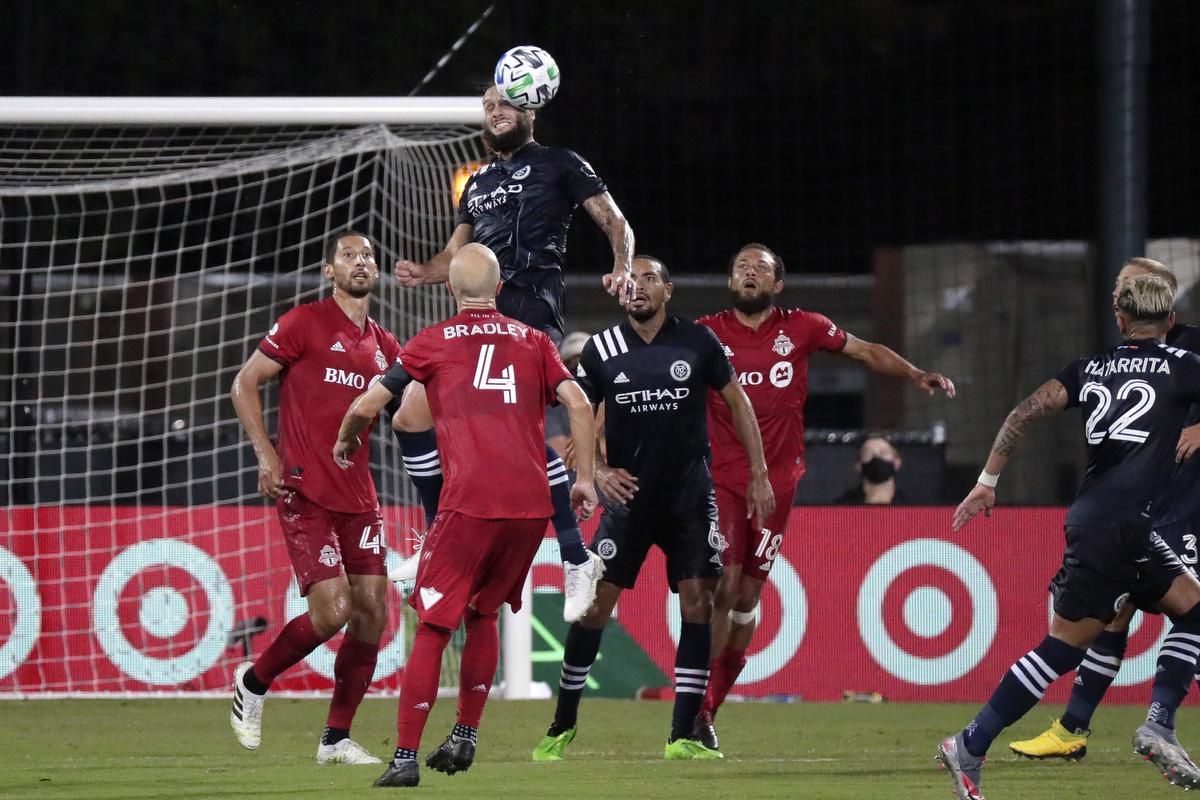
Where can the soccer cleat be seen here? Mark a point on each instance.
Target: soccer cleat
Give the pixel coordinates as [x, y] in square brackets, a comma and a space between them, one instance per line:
[963, 767]
[1055, 742]
[705, 732]
[347, 751]
[456, 754]
[400, 773]
[407, 571]
[551, 747]
[579, 586]
[1170, 757]
[246, 715]
[689, 750]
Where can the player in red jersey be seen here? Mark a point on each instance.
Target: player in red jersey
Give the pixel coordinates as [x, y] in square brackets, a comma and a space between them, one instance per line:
[324, 354]
[489, 379]
[769, 348]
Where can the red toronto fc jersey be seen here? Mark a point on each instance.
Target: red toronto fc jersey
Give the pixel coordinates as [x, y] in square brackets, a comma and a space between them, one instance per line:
[327, 362]
[489, 379]
[772, 365]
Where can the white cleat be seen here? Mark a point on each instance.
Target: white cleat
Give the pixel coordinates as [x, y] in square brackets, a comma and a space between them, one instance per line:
[246, 715]
[407, 571]
[579, 586]
[347, 751]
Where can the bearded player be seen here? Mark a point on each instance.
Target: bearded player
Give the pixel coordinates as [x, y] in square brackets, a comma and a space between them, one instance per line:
[769, 348]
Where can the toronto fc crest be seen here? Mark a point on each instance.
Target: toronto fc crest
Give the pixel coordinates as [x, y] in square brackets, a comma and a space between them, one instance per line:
[783, 345]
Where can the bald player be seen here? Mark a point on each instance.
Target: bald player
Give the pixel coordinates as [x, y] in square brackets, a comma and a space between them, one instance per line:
[489, 379]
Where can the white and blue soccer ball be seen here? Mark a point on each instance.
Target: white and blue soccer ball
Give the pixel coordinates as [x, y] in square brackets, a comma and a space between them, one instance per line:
[527, 76]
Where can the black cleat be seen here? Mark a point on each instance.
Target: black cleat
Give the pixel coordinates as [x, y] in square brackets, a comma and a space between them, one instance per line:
[705, 732]
[404, 773]
[456, 754]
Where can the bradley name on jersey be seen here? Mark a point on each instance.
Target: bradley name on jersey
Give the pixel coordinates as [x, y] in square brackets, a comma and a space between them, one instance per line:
[485, 329]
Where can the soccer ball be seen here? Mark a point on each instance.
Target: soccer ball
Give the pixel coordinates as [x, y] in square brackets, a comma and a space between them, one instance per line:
[527, 76]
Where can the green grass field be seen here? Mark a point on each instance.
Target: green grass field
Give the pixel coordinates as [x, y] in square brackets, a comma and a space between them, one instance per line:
[86, 749]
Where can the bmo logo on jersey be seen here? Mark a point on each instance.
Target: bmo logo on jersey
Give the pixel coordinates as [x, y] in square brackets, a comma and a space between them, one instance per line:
[780, 376]
[345, 378]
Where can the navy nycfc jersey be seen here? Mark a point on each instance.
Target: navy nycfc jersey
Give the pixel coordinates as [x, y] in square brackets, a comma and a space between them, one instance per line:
[521, 209]
[1180, 501]
[655, 399]
[1134, 399]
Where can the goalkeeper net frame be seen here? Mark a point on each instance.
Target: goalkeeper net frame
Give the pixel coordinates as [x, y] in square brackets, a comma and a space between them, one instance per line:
[146, 245]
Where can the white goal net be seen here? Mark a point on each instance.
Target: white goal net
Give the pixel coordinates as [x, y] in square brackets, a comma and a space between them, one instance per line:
[142, 261]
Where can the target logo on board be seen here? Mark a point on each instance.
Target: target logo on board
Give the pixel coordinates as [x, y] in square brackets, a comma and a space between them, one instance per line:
[17, 581]
[162, 611]
[927, 611]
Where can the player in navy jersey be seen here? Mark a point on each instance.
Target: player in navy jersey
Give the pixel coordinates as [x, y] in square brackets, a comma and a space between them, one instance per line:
[323, 353]
[769, 347]
[520, 206]
[489, 379]
[1134, 399]
[1176, 517]
[653, 373]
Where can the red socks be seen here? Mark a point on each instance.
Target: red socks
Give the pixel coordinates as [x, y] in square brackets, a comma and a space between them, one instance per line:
[352, 673]
[480, 656]
[294, 642]
[418, 691]
[725, 669]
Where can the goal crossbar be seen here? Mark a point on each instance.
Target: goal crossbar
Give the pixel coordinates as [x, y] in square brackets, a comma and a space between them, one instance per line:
[239, 110]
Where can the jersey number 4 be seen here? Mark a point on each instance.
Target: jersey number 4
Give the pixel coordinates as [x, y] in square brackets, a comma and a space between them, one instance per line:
[507, 382]
[1120, 429]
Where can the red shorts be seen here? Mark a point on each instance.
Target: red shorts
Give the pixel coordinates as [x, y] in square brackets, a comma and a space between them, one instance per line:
[467, 562]
[325, 544]
[755, 549]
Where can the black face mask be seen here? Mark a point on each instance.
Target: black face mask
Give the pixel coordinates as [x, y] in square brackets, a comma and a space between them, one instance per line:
[878, 470]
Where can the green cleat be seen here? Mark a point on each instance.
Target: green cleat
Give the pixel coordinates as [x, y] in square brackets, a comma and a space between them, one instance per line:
[551, 747]
[688, 749]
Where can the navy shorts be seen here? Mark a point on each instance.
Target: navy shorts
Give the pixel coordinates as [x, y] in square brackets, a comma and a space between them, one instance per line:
[1103, 566]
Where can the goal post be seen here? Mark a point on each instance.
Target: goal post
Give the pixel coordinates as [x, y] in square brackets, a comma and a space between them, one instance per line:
[146, 245]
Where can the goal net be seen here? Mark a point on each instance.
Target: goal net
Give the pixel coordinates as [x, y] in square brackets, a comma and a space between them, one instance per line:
[145, 248]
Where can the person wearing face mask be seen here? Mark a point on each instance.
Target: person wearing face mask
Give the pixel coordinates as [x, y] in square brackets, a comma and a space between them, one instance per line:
[878, 463]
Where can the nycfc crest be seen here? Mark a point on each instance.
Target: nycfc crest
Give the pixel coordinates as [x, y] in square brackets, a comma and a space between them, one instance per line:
[380, 361]
[783, 345]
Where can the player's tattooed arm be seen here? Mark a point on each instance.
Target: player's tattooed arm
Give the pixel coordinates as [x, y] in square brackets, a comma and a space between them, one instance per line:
[1049, 398]
[604, 212]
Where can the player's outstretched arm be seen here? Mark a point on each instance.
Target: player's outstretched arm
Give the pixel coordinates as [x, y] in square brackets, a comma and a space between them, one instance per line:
[760, 499]
[436, 269]
[583, 439]
[603, 210]
[359, 416]
[247, 402]
[886, 361]
[1049, 398]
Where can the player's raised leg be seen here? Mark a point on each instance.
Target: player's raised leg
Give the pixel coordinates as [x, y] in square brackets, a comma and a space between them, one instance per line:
[412, 423]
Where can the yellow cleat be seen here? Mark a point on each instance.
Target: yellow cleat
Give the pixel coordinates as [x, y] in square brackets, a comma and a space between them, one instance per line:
[1055, 742]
